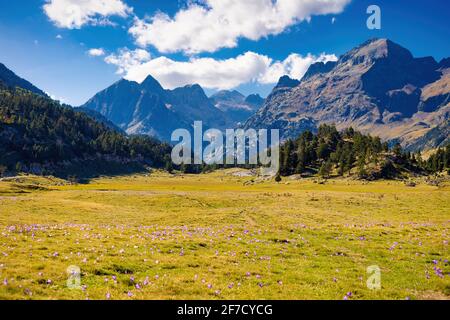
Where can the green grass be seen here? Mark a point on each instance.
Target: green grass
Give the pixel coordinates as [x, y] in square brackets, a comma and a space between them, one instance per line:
[217, 236]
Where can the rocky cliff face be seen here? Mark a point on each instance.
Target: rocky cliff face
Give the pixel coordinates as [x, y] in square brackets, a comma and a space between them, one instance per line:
[378, 87]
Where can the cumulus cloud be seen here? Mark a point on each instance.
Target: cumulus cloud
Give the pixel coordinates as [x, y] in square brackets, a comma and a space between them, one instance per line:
[208, 25]
[73, 14]
[96, 52]
[210, 73]
[126, 60]
[295, 66]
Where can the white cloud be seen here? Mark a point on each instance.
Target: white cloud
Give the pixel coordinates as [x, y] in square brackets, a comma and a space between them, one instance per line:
[96, 52]
[73, 14]
[59, 37]
[126, 59]
[208, 25]
[295, 66]
[211, 73]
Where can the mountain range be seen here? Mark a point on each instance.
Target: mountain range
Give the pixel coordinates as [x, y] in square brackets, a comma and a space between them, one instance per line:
[378, 88]
[148, 108]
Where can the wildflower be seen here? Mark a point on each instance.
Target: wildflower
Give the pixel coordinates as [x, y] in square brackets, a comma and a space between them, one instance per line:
[438, 272]
[108, 296]
[5, 282]
[348, 295]
[209, 286]
[130, 294]
[49, 281]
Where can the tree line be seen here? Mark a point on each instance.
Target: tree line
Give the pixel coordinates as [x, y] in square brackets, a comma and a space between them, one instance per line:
[330, 152]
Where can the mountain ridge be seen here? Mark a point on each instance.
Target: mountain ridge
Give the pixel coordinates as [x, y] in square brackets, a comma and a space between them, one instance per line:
[148, 108]
[377, 87]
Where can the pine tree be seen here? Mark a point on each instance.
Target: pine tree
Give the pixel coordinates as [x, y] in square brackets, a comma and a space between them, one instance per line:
[325, 169]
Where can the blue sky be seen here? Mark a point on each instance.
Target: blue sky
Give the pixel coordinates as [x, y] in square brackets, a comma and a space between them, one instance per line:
[220, 44]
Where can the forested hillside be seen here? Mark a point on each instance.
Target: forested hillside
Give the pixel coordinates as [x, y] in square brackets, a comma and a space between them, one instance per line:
[38, 135]
[334, 153]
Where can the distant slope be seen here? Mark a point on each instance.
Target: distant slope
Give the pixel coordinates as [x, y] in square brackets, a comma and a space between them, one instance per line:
[377, 88]
[237, 106]
[10, 79]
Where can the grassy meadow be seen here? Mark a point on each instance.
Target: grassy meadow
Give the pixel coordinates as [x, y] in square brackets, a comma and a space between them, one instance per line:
[221, 236]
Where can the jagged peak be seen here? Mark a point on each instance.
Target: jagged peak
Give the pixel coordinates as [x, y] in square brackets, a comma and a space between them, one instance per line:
[287, 82]
[318, 68]
[151, 84]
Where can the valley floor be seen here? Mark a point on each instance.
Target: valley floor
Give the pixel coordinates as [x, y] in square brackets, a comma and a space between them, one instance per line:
[220, 236]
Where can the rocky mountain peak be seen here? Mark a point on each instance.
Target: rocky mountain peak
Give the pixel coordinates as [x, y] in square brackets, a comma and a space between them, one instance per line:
[255, 100]
[287, 82]
[378, 87]
[318, 68]
[150, 84]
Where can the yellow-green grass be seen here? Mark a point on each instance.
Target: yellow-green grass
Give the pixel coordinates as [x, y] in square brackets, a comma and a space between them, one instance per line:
[218, 236]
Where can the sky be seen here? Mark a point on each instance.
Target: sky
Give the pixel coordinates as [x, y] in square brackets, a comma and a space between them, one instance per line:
[74, 48]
